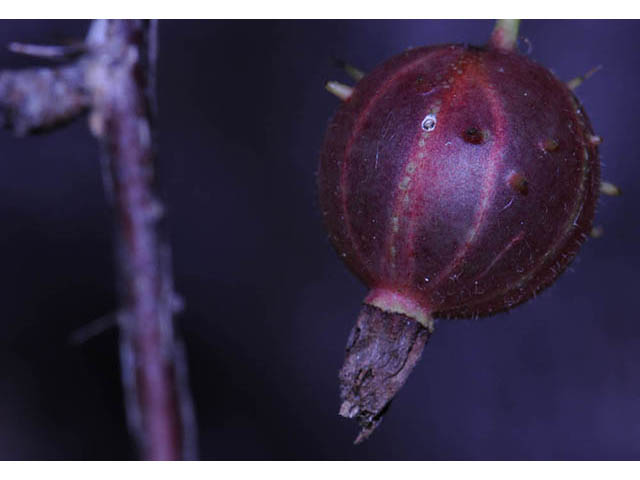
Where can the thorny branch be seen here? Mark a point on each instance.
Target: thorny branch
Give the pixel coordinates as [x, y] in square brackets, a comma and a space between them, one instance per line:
[113, 77]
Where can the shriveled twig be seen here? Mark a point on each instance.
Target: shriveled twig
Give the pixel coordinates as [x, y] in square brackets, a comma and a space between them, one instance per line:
[114, 80]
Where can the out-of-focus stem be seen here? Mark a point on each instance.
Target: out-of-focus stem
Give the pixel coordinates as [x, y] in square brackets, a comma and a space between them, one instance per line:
[114, 79]
[505, 35]
[120, 77]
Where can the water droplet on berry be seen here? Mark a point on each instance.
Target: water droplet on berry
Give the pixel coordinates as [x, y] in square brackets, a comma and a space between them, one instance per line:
[429, 123]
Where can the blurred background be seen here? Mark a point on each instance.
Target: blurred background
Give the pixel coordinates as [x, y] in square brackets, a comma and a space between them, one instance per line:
[268, 304]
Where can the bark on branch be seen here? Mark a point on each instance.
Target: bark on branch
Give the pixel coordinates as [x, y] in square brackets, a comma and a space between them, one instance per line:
[114, 80]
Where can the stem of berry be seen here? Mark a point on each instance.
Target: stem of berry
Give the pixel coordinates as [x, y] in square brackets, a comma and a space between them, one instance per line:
[505, 35]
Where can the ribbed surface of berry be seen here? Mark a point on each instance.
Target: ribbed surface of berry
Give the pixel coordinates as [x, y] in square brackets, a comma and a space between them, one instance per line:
[460, 178]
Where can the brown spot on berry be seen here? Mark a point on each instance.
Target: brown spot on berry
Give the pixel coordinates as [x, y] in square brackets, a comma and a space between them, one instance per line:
[518, 183]
[474, 136]
[550, 145]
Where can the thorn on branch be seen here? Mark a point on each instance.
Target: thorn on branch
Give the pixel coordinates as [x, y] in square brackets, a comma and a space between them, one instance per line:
[52, 52]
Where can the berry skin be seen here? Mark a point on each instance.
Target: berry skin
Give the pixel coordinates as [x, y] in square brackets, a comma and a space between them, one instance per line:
[458, 181]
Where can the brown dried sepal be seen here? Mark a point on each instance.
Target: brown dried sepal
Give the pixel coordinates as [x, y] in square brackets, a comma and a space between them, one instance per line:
[382, 350]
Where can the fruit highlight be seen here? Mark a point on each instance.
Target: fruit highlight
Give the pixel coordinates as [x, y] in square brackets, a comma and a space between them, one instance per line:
[454, 181]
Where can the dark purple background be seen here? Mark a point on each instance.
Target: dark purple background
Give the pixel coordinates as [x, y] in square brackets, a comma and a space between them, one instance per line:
[269, 305]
